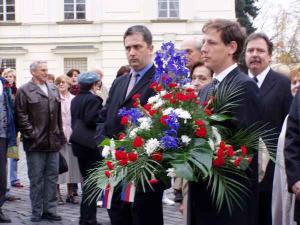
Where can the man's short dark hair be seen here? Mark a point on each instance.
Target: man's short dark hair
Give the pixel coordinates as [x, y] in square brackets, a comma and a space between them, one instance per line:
[230, 31]
[263, 36]
[140, 29]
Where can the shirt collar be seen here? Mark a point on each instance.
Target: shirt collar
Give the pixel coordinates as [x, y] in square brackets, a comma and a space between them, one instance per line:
[260, 77]
[220, 76]
[143, 71]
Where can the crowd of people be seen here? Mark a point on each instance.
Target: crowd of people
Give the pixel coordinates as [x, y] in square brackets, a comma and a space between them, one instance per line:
[48, 110]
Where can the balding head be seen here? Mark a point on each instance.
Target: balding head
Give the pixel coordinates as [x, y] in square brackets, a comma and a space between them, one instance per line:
[193, 48]
[98, 71]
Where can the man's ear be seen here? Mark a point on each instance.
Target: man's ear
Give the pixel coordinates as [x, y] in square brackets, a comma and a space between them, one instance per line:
[232, 47]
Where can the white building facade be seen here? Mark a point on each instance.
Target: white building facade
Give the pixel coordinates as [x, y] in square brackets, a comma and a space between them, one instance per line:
[85, 34]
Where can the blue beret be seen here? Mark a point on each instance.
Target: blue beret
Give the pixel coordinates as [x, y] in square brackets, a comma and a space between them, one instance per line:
[88, 78]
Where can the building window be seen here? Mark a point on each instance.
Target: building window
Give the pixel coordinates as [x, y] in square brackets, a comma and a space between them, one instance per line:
[7, 10]
[74, 9]
[8, 63]
[75, 63]
[168, 8]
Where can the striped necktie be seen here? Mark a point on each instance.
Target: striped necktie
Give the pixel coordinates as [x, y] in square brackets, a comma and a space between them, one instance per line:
[133, 80]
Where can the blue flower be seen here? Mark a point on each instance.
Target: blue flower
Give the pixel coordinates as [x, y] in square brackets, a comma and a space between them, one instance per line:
[169, 142]
[172, 121]
[171, 132]
[133, 114]
[172, 62]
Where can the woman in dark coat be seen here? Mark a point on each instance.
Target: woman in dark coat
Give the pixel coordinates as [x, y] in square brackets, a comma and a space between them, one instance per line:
[85, 108]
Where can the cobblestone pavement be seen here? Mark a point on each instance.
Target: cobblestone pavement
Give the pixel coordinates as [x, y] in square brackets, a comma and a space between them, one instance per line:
[19, 211]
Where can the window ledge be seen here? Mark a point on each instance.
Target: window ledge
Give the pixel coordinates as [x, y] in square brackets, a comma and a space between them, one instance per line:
[74, 22]
[168, 20]
[7, 23]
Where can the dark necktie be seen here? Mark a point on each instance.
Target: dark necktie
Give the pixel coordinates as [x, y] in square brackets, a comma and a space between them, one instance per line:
[133, 80]
[213, 87]
[255, 79]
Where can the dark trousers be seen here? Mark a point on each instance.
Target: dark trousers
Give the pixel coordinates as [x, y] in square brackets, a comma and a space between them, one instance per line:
[3, 174]
[265, 205]
[88, 208]
[146, 209]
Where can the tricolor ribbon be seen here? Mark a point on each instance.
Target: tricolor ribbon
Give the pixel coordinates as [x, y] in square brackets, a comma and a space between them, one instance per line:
[107, 196]
[128, 192]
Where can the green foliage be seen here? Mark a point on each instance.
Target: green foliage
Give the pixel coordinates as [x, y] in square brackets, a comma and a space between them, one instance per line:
[246, 11]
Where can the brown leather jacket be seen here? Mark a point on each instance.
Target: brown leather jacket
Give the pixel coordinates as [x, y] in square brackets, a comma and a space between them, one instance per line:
[39, 118]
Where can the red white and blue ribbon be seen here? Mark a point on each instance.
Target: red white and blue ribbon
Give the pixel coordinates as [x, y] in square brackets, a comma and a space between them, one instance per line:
[128, 192]
[107, 196]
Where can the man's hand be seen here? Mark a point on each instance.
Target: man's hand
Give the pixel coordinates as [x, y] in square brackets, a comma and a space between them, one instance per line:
[296, 189]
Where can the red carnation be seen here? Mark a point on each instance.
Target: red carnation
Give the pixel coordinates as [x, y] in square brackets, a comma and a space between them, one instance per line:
[237, 161]
[230, 151]
[244, 150]
[124, 120]
[135, 104]
[157, 156]
[173, 100]
[222, 145]
[201, 132]
[138, 142]
[163, 119]
[132, 156]
[153, 181]
[218, 162]
[182, 97]
[199, 122]
[107, 173]
[191, 95]
[153, 85]
[208, 111]
[172, 85]
[148, 107]
[122, 136]
[110, 165]
[190, 90]
[159, 88]
[136, 96]
[152, 112]
[220, 153]
[123, 162]
[120, 155]
[167, 96]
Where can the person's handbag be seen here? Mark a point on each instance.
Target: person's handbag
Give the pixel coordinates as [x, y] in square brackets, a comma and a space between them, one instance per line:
[63, 165]
[83, 135]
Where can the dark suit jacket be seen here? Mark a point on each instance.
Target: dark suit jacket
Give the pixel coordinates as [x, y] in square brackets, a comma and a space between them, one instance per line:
[203, 210]
[292, 149]
[276, 98]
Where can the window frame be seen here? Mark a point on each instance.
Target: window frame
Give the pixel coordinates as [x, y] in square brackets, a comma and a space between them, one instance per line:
[74, 11]
[168, 9]
[14, 60]
[5, 13]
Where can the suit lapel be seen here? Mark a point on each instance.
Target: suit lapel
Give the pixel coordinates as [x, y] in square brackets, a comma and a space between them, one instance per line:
[268, 84]
[37, 89]
[141, 84]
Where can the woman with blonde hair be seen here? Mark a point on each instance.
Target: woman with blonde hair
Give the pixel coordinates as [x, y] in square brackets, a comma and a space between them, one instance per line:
[73, 175]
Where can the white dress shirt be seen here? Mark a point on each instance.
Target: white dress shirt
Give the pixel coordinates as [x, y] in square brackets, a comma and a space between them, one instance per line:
[1, 88]
[260, 77]
[221, 76]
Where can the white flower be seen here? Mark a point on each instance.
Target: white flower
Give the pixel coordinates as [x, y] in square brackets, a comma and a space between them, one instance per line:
[162, 93]
[153, 99]
[151, 145]
[112, 144]
[158, 104]
[168, 111]
[183, 114]
[133, 132]
[216, 138]
[185, 139]
[105, 151]
[171, 172]
[145, 123]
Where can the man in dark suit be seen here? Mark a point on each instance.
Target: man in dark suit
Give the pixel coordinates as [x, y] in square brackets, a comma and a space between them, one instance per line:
[276, 97]
[147, 207]
[222, 44]
[292, 153]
